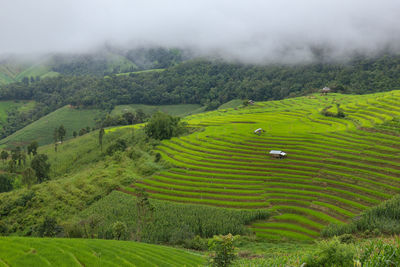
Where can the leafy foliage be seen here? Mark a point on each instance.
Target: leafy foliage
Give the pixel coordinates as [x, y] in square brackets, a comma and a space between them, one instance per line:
[224, 250]
[5, 183]
[163, 126]
[332, 253]
[380, 253]
[41, 167]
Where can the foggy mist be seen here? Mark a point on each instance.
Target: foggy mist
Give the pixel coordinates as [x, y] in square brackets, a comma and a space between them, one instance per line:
[249, 31]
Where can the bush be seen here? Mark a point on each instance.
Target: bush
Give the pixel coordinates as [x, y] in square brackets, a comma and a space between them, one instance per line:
[163, 126]
[196, 243]
[346, 239]
[331, 253]
[378, 253]
[48, 228]
[223, 250]
[120, 230]
[3, 228]
[5, 183]
[117, 145]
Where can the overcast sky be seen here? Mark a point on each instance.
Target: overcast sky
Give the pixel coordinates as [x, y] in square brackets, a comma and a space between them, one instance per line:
[249, 30]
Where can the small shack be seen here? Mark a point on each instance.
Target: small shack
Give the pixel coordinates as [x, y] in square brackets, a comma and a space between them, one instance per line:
[325, 90]
[277, 154]
[250, 102]
[259, 131]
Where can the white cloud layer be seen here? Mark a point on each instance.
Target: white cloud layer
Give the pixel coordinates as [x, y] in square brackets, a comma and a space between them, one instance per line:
[251, 30]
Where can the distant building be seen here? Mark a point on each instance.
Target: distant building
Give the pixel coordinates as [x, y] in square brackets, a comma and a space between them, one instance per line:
[277, 154]
[251, 102]
[325, 90]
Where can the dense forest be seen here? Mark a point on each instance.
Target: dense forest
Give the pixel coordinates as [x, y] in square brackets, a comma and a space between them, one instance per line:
[210, 83]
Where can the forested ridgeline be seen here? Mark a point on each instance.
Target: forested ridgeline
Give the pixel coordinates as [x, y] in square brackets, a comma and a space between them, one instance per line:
[199, 81]
[210, 83]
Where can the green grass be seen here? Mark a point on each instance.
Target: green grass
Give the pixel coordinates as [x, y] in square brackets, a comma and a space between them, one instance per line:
[42, 129]
[231, 104]
[19, 251]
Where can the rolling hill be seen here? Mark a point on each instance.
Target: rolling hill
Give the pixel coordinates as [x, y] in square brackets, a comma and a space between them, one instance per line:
[19, 251]
[6, 106]
[42, 130]
[335, 169]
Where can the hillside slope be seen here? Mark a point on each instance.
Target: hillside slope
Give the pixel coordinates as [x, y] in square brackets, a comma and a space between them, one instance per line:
[336, 167]
[17, 251]
[42, 130]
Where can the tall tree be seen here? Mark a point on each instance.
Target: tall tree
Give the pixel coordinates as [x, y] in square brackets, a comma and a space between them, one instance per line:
[16, 155]
[101, 134]
[5, 183]
[61, 132]
[55, 138]
[29, 177]
[41, 167]
[32, 148]
[4, 155]
[144, 211]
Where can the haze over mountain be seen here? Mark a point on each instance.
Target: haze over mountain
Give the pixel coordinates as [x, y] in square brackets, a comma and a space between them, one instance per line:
[248, 31]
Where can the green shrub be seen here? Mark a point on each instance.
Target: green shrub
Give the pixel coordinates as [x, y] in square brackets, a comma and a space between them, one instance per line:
[120, 230]
[346, 239]
[48, 228]
[196, 243]
[6, 183]
[3, 228]
[331, 253]
[163, 126]
[117, 145]
[223, 250]
[378, 253]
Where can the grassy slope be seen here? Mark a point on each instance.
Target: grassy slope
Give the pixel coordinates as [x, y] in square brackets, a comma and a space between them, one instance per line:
[80, 176]
[7, 105]
[333, 172]
[17, 251]
[15, 71]
[174, 110]
[231, 104]
[42, 129]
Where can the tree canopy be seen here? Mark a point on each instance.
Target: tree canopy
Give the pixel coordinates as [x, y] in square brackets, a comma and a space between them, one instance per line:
[163, 126]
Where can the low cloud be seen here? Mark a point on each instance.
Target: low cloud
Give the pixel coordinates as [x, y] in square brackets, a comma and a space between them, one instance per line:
[248, 31]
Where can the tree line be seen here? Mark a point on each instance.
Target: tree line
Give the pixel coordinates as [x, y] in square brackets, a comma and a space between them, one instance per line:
[205, 82]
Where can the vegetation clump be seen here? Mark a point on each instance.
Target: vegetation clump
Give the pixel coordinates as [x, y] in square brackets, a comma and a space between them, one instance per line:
[163, 126]
[223, 250]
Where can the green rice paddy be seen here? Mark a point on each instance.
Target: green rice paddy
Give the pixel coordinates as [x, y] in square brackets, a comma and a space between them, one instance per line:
[335, 169]
[20, 251]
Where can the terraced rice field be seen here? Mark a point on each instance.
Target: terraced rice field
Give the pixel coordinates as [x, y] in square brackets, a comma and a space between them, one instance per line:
[20, 251]
[336, 167]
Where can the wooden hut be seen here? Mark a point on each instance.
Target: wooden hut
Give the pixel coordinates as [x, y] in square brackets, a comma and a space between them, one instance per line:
[325, 90]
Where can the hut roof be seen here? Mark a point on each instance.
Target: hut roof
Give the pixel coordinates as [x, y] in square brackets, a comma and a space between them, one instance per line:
[257, 130]
[277, 152]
